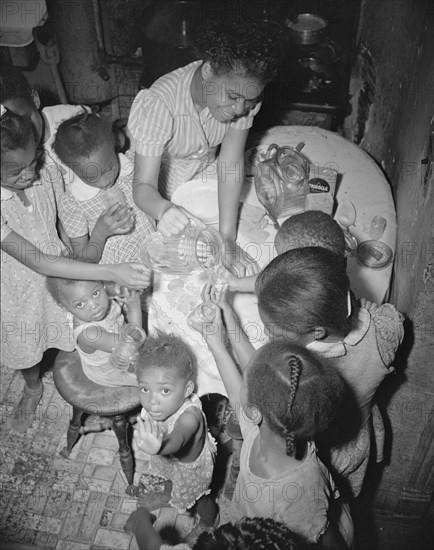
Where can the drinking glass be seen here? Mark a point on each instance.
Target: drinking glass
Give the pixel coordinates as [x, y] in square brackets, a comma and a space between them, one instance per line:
[346, 216]
[111, 196]
[203, 313]
[124, 353]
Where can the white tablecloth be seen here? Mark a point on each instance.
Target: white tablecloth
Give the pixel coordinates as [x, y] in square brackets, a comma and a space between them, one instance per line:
[361, 181]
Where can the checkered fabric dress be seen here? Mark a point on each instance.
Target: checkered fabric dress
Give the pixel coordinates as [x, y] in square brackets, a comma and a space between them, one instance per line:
[81, 205]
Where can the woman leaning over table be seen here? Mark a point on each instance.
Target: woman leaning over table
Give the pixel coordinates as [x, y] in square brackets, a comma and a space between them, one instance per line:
[178, 123]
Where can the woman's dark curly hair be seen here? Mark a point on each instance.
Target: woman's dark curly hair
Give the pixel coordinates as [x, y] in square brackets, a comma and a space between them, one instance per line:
[80, 136]
[238, 45]
[294, 392]
[251, 534]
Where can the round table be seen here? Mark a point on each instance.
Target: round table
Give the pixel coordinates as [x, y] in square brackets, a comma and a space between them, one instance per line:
[360, 181]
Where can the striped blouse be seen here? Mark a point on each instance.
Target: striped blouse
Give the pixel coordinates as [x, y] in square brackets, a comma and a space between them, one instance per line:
[164, 122]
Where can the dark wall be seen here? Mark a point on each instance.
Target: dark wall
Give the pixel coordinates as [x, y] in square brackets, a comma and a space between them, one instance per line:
[392, 87]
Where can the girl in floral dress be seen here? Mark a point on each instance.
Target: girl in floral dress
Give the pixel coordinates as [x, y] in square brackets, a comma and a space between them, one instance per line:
[172, 427]
[31, 320]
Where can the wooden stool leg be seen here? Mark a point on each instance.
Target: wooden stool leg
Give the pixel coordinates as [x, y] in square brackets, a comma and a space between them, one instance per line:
[73, 431]
[120, 427]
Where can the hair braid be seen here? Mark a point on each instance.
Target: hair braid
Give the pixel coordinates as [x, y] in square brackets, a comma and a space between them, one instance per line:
[295, 368]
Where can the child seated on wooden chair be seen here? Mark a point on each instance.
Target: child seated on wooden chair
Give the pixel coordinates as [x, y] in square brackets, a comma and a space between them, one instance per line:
[99, 328]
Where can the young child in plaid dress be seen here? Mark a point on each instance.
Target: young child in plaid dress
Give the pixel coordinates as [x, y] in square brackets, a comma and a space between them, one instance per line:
[86, 144]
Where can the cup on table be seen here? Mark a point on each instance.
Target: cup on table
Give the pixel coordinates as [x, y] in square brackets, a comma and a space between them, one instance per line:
[124, 353]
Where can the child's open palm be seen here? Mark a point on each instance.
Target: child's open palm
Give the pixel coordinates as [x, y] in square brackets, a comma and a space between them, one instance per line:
[150, 434]
[116, 220]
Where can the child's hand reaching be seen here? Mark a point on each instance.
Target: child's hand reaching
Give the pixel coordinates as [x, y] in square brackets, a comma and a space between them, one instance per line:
[213, 332]
[217, 294]
[222, 276]
[235, 283]
[116, 220]
[150, 434]
[130, 299]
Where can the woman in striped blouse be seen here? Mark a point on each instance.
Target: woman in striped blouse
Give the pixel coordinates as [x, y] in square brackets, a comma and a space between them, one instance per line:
[178, 123]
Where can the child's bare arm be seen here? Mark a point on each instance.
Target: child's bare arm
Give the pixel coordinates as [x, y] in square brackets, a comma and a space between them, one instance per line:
[95, 338]
[235, 283]
[238, 339]
[132, 308]
[132, 275]
[243, 284]
[186, 427]
[240, 343]
[213, 333]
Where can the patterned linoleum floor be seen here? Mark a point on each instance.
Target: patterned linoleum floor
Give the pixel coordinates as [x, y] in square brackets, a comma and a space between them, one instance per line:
[78, 503]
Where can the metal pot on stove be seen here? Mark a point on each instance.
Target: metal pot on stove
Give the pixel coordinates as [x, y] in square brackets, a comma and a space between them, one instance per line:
[306, 28]
[281, 180]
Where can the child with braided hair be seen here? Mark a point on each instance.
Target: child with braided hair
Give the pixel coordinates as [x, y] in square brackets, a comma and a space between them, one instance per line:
[284, 400]
[304, 295]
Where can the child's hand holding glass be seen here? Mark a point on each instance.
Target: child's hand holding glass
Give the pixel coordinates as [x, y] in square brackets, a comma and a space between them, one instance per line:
[116, 220]
[130, 301]
[150, 434]
[222, 276]
[213, 331]
[124, 354]
[222, 297]
[217, 294]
